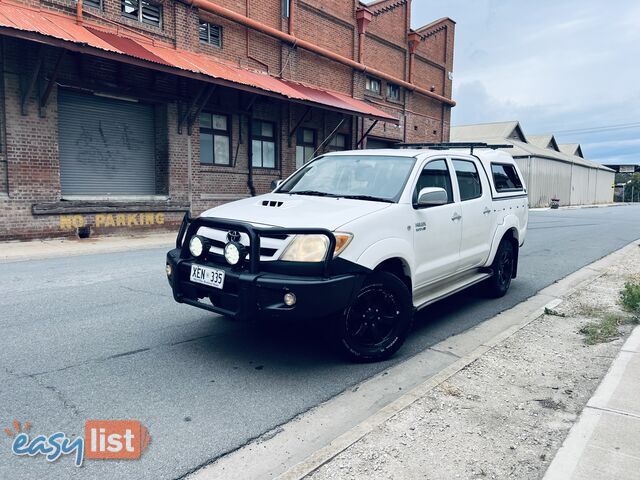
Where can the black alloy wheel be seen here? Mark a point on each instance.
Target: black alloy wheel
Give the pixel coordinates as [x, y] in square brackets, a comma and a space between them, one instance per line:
[502, 267]
[378, 320]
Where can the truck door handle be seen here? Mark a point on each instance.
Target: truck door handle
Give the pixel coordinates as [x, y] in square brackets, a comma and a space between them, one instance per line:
[456, 216]
[486, 210]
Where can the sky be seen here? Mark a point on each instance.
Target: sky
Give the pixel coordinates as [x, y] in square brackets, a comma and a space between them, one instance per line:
[568, 67]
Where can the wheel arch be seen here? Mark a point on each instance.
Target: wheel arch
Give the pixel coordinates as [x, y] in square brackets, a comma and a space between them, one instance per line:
[397, 266]
[394, 255]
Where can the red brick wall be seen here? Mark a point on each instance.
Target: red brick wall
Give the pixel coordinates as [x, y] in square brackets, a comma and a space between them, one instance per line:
[390, 21]
[29, 154]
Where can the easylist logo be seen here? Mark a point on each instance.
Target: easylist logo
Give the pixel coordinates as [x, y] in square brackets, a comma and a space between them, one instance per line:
[115, 439]
[104, 440]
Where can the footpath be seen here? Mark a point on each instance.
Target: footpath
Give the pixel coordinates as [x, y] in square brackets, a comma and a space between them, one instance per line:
[52, 248]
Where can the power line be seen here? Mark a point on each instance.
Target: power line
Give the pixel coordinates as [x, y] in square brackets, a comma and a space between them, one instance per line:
[603, 128]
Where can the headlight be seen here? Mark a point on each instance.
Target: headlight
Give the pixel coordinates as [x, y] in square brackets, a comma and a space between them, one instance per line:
[313, 248]
[196, 246]
[232, 253]
[306, 248]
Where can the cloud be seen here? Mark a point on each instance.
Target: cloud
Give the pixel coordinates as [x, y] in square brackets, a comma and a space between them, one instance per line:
[553, 65]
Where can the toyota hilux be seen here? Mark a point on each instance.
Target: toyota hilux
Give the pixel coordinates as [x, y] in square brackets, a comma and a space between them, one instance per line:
[361, 239]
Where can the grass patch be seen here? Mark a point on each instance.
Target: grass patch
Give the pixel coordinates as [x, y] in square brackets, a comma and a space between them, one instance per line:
[630, 297]
[606, 329]
[602, 331]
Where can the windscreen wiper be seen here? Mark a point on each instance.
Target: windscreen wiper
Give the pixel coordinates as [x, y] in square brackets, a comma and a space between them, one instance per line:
[367, 197]
[310, 192]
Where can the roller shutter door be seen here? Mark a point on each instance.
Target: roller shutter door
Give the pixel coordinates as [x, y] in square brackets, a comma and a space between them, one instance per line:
[107, 146]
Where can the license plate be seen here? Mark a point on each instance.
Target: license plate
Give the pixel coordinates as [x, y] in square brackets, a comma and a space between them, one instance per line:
[207, 276]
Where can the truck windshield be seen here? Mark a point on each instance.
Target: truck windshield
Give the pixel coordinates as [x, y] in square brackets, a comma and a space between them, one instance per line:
[362, 177]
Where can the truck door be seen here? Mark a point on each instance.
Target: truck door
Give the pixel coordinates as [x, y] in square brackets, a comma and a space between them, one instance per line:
[437, 229]
[477, 212]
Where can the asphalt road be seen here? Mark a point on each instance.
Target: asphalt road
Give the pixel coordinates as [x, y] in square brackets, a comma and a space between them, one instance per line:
[99, 337]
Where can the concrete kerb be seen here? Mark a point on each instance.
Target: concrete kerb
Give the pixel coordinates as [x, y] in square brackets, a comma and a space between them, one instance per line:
[549, 297]
[309, 440]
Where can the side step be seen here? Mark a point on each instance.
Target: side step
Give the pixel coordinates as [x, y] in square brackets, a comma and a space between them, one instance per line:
[429, 294]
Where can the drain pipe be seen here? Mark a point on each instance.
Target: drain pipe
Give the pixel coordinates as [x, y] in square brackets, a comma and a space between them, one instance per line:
[363, 19]
[252, 188]
[414, 40]
[292, 7]
[79, 12]
[214, 8]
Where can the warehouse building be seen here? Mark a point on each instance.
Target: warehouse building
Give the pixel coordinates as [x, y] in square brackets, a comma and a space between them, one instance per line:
[551, 170]
[120, 115]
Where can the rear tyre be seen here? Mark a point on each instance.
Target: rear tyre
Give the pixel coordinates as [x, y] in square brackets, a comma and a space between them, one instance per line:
[376, 323]
[502, 267]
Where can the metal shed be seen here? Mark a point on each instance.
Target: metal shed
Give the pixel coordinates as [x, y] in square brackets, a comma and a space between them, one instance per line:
[551, 170]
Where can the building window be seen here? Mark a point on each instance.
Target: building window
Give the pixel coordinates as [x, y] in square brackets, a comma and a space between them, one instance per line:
[215, 139]
[373, 85]
[92, 3]
[263, 144]
[142, 11]
[210, 33]
[305, 145]
[393, 92]
[285, 8]
[338, 143]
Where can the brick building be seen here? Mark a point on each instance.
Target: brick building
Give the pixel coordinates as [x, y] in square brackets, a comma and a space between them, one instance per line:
[123, 114]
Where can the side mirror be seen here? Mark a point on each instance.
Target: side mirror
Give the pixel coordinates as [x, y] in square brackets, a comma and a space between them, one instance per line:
[432, 196]
[275, 184]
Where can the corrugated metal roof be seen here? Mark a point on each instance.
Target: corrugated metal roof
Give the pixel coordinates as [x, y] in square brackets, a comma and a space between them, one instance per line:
[569, 148]
[130, 44]
[484, 130]
[541, 140]
[500, 132]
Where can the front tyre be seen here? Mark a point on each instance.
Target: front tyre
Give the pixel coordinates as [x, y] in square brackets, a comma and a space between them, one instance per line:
[502, 267]
[376, 323]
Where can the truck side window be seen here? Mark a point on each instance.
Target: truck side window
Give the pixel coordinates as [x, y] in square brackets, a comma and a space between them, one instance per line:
[434, 174]
[505, 177]
[468, 179]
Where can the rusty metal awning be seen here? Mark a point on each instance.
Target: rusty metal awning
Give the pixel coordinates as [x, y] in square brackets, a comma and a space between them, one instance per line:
[123, 44]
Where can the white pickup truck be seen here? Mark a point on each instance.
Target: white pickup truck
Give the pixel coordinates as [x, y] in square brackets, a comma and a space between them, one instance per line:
[362, 239]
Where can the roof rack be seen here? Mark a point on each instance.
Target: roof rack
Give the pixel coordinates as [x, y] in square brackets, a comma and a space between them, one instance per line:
[448, 145]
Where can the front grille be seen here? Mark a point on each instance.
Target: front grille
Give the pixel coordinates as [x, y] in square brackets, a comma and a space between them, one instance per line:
[271, 245]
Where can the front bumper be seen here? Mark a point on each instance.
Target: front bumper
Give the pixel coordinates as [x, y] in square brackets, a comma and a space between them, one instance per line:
[258, 288]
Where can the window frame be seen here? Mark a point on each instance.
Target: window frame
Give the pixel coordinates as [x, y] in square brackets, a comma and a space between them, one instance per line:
[314, 145]
[467, 160]
[213, 132]
[414, 195]
[286, 13]
[262, 139]
[208, 40]
[390, 87]
[140, 16]
[506, 190]
[369, 80]
[335, 148]
[97, 4]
